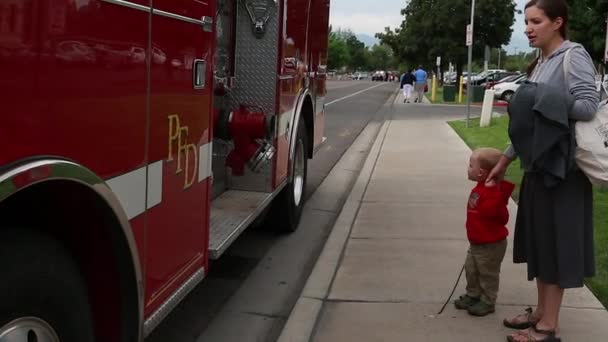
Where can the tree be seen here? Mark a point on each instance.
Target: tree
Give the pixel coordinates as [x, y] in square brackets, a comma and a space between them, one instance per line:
[338, 56]
[357, 51]
[345, 50]
[588, 25]
[381, 57]
[438, 27]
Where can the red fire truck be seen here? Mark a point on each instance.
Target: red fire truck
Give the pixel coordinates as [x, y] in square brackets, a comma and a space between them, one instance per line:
[138, 139]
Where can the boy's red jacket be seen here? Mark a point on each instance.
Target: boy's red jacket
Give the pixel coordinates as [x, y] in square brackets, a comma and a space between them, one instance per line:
[487, 213]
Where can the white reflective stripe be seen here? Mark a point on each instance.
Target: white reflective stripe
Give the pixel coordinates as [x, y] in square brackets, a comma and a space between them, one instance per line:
[205, 157]
[130, 189]
[155, 184]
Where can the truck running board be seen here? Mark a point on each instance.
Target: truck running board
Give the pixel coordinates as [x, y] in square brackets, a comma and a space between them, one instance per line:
[231, 213]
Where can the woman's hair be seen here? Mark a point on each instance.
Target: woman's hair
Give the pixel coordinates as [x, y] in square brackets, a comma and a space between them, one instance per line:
[553, 9]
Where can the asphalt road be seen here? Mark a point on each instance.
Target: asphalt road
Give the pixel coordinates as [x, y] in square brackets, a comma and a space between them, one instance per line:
[250, 291]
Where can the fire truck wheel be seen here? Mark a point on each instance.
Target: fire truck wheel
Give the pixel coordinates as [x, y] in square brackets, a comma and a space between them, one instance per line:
[42, 293]
[287, 207]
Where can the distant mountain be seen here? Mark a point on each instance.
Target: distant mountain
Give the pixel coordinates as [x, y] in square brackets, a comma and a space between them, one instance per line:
[367, 39]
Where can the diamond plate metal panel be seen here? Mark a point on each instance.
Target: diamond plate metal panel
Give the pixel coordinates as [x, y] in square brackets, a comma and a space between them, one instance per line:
[231, 213]
[256, 66]
[256, 74]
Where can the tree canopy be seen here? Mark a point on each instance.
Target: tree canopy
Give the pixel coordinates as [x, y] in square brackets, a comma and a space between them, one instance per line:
[588, 25]
[438, 27]
[347, 51]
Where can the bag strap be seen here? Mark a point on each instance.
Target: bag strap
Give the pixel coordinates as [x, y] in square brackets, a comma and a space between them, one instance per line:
[566, 67]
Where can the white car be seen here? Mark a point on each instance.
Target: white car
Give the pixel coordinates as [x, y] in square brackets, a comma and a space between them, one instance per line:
[505, 90]
[361, 76]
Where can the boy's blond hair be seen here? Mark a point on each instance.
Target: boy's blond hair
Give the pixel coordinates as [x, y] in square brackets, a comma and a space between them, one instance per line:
[488, 157]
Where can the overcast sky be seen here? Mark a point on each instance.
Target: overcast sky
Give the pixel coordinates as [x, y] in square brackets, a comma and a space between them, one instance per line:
[370, 17]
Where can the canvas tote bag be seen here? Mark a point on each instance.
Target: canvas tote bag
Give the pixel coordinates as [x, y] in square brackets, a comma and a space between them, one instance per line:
[592, 139]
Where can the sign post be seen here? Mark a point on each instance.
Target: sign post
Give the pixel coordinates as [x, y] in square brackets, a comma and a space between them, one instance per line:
[603, 67]
[606, 45]
[470, 45]
[436, 80]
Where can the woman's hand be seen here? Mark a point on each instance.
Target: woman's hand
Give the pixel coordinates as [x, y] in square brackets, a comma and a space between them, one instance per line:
[497, 174]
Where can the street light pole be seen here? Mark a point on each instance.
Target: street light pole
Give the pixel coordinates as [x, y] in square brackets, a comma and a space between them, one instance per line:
[469, 76]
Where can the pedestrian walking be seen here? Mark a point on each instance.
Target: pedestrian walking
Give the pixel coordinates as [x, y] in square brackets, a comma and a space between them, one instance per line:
[487, 216]
[420, 85]
[407, 85]
[554, 225]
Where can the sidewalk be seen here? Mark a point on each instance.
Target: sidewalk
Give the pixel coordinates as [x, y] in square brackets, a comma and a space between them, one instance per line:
[396, 250]
[400, 97]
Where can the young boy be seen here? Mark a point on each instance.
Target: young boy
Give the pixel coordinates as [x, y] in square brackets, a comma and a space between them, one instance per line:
[487, 216]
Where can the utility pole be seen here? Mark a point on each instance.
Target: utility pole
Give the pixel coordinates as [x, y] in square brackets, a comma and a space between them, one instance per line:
[499, 55]
[469, 77]
[606, 46]
[605, 60]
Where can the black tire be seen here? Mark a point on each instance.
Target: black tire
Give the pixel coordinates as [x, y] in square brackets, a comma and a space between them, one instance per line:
[507, 96]
[287, 207]
[41, 282]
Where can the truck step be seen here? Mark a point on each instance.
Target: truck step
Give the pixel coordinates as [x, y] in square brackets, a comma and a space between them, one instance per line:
[231, 213]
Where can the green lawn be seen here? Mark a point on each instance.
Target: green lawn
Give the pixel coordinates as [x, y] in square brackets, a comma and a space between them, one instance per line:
[496, 136]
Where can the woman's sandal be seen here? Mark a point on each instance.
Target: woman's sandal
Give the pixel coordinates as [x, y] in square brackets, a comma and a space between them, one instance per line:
[523, 325]
[550, 336]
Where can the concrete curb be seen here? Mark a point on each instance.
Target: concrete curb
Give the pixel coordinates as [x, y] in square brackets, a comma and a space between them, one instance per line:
[303, 319]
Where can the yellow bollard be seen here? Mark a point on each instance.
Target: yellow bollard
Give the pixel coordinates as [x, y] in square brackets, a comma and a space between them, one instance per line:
[461, 89]
[434, 89]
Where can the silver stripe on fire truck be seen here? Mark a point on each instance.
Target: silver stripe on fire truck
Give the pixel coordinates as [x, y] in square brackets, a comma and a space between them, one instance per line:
[206, 22]
[204, 166]
[178, 17]
[128, 4]
[170, 304]
[155, 184]
[130, 189]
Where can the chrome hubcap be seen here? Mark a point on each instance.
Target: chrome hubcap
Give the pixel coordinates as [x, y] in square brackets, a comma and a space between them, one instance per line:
[28, 329]
[298, 174]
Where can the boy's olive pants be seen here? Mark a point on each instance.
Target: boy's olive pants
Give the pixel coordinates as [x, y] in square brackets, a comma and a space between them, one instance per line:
[482, 268]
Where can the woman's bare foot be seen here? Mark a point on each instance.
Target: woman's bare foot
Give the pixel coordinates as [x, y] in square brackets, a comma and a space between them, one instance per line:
[535, 334]
[523, 320]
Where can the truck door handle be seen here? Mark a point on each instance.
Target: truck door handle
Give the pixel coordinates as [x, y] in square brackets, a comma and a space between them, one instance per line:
[199, 76]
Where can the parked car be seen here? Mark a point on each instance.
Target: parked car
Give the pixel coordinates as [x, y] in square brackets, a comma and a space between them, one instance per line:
[378, 76]
[450, 77]
[361, 76]
[505, 90]
[489, 76]
[509, 78]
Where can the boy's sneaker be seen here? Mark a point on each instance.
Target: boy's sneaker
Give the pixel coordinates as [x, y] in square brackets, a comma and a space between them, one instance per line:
[464, 302]
[481, 308]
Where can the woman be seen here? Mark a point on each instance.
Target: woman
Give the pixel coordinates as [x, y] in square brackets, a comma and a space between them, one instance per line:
[407, 84]
[556, 244]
